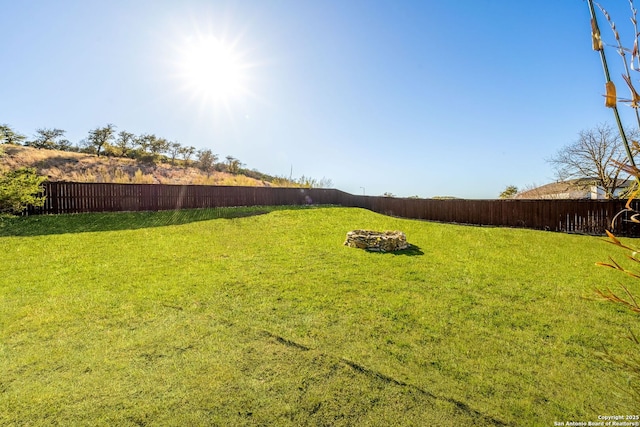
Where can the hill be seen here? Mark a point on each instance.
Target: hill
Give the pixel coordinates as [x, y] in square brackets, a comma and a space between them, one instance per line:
[59, 165]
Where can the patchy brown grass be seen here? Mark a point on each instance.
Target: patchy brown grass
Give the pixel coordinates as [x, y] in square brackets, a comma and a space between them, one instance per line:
[79, 167]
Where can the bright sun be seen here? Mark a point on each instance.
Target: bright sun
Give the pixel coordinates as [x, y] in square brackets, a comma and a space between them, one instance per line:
[211, 70]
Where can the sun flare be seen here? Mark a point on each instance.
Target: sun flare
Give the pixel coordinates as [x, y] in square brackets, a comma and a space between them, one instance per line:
[211, 69]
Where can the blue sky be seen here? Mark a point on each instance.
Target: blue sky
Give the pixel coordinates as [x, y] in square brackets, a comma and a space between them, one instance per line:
[427, 98]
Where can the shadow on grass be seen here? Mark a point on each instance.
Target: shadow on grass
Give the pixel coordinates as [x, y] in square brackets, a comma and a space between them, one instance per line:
[38, 225]
[412, 250]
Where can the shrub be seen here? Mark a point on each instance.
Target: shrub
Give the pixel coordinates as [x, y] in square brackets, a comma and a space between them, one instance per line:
[141, 178]
[20, 188]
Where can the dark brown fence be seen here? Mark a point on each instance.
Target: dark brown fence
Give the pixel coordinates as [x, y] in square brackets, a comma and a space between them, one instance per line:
[573, 216]
[576, 216]
[73, 197]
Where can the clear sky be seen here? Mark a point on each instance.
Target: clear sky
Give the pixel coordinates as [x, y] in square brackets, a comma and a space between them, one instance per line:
[428, 98]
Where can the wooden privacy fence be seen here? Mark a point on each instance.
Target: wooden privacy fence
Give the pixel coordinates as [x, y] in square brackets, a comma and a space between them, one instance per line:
[572, 216]
[74, 197]
[575, 216]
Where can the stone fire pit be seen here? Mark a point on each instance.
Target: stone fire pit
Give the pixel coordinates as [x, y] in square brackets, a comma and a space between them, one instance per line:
[378, 241]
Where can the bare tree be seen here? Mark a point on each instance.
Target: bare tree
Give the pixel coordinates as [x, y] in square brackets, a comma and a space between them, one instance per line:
[596, 154]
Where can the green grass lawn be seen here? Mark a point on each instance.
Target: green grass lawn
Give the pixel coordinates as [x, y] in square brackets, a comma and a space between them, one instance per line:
[221, 317]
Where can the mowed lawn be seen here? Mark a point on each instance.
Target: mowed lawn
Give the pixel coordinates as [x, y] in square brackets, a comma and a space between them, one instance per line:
[221, 317]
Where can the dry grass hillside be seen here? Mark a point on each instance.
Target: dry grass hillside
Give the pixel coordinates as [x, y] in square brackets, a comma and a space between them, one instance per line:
[79, 167]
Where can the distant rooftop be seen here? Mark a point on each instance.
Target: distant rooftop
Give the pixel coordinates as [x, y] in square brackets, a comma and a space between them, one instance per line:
[582, 188]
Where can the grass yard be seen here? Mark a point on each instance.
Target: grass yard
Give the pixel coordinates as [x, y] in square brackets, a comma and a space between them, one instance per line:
[223, 317]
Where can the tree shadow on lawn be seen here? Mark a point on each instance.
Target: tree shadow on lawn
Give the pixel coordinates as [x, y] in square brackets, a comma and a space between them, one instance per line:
[412, 250]
[38, 225]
